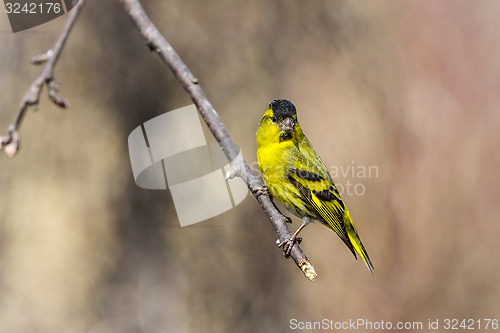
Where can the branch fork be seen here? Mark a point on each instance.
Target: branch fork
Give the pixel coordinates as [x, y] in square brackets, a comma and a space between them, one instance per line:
[11, 142]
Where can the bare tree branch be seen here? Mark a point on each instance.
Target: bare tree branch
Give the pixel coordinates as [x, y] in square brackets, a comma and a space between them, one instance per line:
[11, 142]
[189, 82]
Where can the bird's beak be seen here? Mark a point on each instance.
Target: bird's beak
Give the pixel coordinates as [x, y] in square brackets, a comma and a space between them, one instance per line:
[287, 125]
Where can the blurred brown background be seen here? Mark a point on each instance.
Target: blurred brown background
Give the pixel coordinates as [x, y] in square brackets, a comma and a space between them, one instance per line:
[410, 87]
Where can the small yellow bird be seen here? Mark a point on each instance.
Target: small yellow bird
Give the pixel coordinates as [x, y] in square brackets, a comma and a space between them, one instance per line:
[297, 177]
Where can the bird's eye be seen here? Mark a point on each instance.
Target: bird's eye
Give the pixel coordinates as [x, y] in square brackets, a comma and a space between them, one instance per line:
[273, 119]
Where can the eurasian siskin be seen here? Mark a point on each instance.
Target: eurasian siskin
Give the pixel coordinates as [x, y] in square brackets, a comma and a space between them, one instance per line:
[297, 177]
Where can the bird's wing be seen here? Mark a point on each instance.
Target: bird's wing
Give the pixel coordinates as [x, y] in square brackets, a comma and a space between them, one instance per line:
[310, 177]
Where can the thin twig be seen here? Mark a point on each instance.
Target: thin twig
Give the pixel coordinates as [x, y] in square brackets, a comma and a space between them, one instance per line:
[11, 142]
[189, 82]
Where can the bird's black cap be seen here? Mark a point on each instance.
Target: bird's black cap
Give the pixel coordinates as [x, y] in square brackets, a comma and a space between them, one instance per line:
[283, 108]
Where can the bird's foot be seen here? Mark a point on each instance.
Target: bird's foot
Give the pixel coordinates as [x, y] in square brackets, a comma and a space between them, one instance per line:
[288, 244]
[261, 191]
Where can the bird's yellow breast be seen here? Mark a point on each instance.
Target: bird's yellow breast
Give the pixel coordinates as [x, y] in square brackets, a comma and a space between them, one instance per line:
[275, 157]
[273, 154]
[273, 162]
